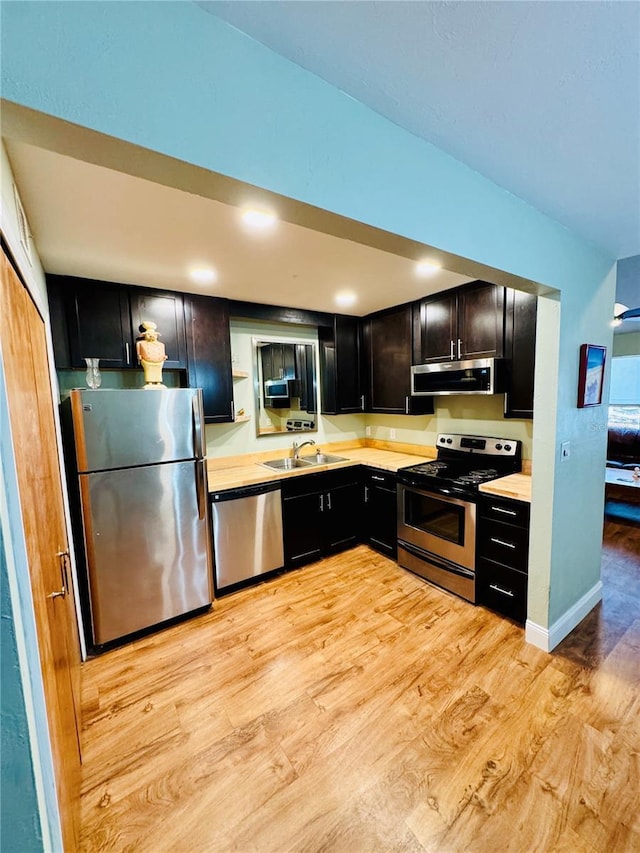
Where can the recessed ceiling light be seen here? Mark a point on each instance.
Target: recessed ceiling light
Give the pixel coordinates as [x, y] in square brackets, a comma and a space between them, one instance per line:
[347, 297]
[618, 309]
[203, 275]
[424, 268]
[258, 220]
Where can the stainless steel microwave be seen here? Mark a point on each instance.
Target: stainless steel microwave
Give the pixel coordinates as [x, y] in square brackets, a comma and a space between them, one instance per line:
[475, 376]
[277, 388]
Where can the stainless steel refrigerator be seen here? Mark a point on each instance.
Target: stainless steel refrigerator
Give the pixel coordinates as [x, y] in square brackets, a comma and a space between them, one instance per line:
[142, 494]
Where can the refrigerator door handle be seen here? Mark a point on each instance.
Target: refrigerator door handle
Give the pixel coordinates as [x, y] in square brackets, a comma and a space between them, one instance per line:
[200, 488]
[197, 418]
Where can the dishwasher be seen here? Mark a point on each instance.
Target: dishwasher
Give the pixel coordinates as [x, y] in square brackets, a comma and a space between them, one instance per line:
[247, 534]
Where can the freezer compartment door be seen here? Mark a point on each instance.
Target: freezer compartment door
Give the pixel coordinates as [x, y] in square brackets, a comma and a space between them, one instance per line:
[148, 546]
[125, 428]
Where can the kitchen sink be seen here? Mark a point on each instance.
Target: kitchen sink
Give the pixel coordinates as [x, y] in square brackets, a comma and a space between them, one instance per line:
[323, 459]
[289, 463]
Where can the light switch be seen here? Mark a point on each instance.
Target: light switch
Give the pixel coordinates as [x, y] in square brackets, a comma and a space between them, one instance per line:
[565, 451]
[392, 434]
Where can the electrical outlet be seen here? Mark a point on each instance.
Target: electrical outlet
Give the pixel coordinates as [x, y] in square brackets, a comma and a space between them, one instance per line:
[392, 434]
[367, 432]
[565, 451]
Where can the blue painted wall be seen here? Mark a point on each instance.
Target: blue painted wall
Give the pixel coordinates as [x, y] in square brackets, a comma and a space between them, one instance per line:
[20, 822]
[172, 78]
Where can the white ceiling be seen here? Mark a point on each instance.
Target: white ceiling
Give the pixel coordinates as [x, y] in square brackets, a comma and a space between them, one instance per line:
[543, 98]
[97, 223]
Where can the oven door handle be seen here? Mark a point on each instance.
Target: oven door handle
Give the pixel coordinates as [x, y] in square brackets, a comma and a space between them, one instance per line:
[457, 500]
[436, 561]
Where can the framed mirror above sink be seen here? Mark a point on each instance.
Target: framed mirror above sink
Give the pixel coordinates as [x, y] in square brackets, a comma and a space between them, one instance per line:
[285, 384]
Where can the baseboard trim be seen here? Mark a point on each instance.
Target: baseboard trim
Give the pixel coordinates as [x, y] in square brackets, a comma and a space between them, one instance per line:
[548, 638]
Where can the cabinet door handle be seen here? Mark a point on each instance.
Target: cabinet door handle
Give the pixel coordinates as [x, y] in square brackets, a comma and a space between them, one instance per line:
[126, 351]
[321, 503]
[366, 494]
[233, 411]
[505, 511]
[501, 590]
[502, 542]
[61, 593]
[459, 348]
[328, 500]
[406, 405]
[451, 354]
[362, 402]
[375, 477]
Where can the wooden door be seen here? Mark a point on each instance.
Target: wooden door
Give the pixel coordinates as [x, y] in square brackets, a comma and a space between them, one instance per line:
[31, 411]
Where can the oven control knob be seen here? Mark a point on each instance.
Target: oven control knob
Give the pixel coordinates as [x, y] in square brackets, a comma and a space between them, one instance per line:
[441, 439]
[498, 447]
[449, 441]
[507, 447]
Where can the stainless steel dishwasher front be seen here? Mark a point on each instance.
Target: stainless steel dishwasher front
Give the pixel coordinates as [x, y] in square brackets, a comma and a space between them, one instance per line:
[247, 533]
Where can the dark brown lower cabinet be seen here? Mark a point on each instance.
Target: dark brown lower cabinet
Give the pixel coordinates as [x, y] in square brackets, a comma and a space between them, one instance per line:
[321, 514]
[502, 556]
[380, 511]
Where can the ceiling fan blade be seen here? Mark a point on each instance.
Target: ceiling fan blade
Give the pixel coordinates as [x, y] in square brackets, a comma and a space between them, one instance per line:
[631, 312]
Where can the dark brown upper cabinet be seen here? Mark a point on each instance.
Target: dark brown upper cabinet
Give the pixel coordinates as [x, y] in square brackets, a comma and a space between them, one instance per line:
[164, 308]
[92, 320]
[388, 345]
[278, 361]
[209, 355]
[520, 352]
[464, 323]
[97, 319]
[341, 366]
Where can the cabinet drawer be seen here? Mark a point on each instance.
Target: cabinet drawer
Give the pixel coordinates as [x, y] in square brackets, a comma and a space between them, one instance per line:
[503, 543]
[505, 510]
[321, 481]
[502, 589]
[382, 479]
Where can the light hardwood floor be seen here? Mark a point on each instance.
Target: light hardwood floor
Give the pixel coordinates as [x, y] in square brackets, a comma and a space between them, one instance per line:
[349, 706]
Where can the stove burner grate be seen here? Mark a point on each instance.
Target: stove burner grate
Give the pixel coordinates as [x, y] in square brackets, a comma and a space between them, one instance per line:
[483, 472]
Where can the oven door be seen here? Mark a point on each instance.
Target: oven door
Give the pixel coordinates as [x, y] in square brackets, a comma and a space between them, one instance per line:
[442, 525]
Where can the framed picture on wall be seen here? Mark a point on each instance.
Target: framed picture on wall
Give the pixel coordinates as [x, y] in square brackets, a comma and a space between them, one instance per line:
[591, 375]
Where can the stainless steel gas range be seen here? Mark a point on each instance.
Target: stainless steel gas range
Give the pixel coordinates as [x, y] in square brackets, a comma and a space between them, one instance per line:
[437, 507]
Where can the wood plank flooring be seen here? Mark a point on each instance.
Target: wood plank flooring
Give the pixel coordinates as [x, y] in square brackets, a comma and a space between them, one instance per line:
[349, 706]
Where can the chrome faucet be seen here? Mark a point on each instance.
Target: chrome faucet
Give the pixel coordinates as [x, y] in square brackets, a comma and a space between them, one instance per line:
[298, 447]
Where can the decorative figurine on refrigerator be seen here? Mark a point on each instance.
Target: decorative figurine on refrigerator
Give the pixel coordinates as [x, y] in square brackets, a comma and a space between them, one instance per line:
[151, 355]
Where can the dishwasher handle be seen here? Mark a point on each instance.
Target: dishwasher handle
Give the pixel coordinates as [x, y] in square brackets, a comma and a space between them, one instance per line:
[244, 492]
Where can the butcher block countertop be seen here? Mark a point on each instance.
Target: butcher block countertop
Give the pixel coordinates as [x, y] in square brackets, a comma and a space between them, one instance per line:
[232, 472]
[235, 471]
[515, 486]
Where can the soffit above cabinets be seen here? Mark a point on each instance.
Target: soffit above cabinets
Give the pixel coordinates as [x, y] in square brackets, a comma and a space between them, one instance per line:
[95, 222]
